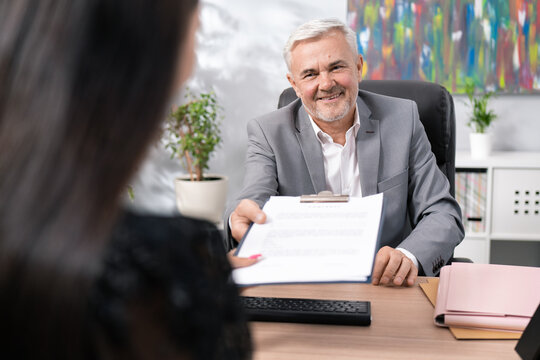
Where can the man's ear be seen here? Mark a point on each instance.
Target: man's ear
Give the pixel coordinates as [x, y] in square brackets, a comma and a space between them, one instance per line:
[360, 66]
[293, 84]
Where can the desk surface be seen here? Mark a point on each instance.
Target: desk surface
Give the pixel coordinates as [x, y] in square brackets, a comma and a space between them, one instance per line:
[401, 328]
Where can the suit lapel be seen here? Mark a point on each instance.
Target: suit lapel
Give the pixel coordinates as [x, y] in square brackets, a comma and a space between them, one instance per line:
[311, 149]
[368, 146]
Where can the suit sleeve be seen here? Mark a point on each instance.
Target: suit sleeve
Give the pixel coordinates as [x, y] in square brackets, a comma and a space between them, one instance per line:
[260, 180]
[434, 214]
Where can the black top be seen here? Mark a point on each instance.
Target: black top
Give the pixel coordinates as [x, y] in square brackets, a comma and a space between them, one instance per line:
[166, 292]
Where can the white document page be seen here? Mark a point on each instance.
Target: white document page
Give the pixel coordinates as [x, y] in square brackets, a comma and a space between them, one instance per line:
[312, 242]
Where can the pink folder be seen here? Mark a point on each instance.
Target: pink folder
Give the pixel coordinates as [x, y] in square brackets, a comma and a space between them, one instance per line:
[487, 296]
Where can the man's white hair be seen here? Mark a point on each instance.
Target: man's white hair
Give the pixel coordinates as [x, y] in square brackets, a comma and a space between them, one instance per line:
[316, 28]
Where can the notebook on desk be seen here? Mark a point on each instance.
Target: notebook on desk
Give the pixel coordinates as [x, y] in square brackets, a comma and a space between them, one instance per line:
[430, 286]
[487, 296]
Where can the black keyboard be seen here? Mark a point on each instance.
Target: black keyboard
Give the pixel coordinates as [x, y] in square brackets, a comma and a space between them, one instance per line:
[339, 312]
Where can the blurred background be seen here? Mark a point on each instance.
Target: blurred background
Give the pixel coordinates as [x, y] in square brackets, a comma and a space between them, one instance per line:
[239, 57]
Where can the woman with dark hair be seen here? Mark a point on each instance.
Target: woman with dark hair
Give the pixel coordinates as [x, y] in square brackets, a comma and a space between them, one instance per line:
[83, 89]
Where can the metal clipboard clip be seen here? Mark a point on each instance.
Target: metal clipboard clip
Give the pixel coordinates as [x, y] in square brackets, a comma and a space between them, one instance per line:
[324, 196]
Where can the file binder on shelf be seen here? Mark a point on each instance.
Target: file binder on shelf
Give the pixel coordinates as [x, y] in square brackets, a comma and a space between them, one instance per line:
[471, 195]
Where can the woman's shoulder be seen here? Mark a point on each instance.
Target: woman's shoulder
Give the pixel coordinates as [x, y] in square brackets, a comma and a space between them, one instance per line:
[180, 264]
[176, 234]
[161, 228]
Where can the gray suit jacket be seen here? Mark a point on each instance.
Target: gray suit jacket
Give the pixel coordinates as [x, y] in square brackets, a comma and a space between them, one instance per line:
[394, 155]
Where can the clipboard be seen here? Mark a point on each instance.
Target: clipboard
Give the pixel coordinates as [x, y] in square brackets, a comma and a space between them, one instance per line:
[324, 197]
[325, 238]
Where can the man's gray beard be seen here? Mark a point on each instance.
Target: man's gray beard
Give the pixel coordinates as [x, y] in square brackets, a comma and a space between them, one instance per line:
[320, 116]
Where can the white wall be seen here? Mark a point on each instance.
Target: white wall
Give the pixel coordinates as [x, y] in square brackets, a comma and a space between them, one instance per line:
[239, 57]
[517, 126]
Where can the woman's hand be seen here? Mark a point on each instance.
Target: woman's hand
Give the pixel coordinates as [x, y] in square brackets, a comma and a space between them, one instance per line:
[239, 262]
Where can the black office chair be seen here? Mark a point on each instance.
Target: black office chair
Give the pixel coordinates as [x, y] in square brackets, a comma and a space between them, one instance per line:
[436, 111]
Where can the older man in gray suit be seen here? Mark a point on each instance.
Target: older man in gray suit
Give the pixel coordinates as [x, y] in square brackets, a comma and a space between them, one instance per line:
[338, 138]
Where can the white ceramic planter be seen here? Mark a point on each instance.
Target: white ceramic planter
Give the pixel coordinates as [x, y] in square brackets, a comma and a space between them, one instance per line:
[480, 145]
[202, 199]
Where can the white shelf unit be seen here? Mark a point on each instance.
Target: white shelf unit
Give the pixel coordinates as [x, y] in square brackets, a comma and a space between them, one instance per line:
[512, 209]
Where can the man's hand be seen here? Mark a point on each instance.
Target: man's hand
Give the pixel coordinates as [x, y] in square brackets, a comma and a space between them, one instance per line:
[393, 264]
[245, 213]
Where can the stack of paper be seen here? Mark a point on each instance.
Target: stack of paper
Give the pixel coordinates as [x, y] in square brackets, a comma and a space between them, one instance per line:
[312, 242]
[486, 296]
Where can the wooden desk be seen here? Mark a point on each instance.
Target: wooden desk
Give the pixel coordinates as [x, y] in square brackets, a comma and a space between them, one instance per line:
[401, 328]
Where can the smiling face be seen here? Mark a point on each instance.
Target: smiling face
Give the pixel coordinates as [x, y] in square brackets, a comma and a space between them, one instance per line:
[325, 74]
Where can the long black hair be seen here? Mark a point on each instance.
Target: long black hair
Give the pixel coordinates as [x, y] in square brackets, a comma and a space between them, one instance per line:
[83, 89]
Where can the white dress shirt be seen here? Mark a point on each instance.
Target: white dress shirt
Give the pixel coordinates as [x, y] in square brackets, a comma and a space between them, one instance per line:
[341, 165]
[340, 161]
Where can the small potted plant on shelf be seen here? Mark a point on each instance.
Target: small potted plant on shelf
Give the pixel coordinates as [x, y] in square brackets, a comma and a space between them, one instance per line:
[193, 134]
[480, 121]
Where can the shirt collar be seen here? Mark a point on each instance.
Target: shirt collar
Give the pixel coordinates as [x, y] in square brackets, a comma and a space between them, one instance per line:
[325, 138]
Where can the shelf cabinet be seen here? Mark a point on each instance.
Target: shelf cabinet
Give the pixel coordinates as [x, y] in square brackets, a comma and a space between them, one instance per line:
[502, 194]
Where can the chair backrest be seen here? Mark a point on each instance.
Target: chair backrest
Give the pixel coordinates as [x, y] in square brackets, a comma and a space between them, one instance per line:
[436, 110]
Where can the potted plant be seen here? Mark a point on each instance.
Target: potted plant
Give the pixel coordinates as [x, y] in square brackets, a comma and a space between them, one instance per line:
[193, 134]
[480, 120]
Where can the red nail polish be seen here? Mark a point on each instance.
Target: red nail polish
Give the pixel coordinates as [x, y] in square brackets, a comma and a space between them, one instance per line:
[255, 256]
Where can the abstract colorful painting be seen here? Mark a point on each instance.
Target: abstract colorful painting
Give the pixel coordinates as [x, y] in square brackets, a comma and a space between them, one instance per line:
[495, 43]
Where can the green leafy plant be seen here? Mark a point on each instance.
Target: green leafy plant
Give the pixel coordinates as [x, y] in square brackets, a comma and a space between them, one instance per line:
[481, 117]
[131, 192]
[194, 133]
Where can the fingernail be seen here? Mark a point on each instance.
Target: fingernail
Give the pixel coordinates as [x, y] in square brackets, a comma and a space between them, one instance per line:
[255, 256]
[398, 280]
[375, 281]
[384, 280]
[259, 218]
